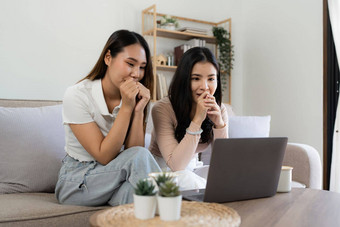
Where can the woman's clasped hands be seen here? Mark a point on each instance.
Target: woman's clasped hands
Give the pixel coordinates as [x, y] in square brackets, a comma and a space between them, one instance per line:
[134, 95]
[207, 106]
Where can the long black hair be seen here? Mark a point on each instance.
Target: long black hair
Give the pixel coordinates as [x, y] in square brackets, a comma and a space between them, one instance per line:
[180, 93]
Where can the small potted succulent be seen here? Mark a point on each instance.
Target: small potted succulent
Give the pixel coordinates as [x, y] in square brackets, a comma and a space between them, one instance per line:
[145, 200]
[169, 201]
[162, 177]
[169, 22]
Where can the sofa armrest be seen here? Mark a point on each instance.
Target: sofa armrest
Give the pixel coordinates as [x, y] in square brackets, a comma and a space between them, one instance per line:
[306, 163]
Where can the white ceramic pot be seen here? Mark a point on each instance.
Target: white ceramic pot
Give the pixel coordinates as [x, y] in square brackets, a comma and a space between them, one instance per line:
[152, 179]
[169, 207]
[285, 180]
[144, 206]
[170, 26]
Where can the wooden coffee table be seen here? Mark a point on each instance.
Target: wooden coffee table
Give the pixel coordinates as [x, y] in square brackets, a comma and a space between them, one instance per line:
[300, 207]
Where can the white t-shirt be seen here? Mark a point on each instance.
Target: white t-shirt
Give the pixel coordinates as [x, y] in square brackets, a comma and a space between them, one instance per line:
[83, 103]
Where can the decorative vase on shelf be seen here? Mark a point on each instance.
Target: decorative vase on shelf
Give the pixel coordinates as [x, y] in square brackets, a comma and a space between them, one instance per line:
[145, 200]
[170, 26]
[169, 22]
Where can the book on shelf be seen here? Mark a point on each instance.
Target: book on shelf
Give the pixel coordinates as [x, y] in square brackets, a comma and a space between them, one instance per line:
[162, 87]
[193, 30]
[159, 90]
[180, 50]
[196, 43]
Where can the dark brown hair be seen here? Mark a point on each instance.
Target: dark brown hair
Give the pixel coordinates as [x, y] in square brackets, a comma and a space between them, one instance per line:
[116, 43]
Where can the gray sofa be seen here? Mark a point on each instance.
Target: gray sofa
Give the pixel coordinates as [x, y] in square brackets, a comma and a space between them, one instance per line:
[29, 186]
[31, 151]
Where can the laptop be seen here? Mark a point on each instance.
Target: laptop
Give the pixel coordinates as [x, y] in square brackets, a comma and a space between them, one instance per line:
[241, 169]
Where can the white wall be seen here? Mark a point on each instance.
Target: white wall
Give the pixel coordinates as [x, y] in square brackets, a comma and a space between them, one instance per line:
[282, 73]
[48, 45]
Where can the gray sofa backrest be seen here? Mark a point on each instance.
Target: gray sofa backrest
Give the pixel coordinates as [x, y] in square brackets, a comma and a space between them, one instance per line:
[27, 103]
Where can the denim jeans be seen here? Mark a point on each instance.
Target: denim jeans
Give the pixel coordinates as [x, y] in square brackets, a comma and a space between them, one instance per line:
[92, 184]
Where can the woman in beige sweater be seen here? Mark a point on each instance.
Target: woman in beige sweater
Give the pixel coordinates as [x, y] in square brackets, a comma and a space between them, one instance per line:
[190, 119]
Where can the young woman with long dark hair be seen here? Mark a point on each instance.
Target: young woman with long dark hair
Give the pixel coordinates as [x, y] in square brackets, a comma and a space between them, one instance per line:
[188, 121]
[104, 116]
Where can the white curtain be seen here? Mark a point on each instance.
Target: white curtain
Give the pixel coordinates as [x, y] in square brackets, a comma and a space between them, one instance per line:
[334, 15]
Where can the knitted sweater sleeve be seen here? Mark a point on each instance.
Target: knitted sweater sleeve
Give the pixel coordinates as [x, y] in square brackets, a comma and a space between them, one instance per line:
[176, 155]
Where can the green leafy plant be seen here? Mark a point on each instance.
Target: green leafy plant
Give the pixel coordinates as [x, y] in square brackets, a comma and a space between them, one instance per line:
[167, 19]
[225, 49]
[225, 54]
[169, 189]
[145, 187]
[162, 178]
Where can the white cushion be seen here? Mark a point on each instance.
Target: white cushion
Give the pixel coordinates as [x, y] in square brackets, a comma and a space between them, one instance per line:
[296, 184]
[147, 140]
[32, 147]
[249, 126]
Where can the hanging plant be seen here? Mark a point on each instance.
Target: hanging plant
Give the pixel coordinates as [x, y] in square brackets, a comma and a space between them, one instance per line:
[225, 55]
[225, 49]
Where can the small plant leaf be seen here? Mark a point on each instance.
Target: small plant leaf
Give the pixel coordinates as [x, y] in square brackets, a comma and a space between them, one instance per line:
[145, 187]
[162, 178]
[169, 189]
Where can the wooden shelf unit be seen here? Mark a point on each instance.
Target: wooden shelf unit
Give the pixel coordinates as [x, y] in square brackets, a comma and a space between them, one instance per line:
[155, 32]
[179, 35]
[166, 67]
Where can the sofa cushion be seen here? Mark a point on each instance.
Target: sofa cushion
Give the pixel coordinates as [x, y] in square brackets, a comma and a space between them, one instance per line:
[38, 206]
[296, 184]
[243, 126]
[249, 126]
[32, 147]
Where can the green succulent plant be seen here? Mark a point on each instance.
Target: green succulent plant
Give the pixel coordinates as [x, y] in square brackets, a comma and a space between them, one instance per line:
[169, 189]
[162, 178]
[144, 187]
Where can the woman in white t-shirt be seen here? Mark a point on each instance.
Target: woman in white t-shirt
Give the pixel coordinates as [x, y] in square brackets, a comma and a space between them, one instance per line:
[104, 117]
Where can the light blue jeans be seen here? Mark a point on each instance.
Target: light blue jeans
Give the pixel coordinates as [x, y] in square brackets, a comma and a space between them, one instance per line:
[92, 184]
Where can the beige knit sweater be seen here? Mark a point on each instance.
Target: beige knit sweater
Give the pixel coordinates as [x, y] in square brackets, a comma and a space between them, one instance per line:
[164, 144]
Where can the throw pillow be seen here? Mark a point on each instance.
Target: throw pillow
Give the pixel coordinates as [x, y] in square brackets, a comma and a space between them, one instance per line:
[32, 147]
[243, 127]
[249, 126]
